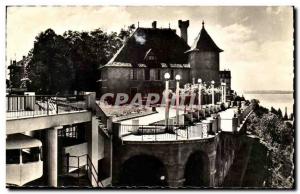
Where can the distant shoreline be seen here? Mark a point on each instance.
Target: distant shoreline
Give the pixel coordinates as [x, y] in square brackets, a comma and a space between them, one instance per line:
[268, 92]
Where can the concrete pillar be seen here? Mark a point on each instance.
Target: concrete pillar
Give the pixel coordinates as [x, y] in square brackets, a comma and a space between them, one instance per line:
[29, 100]
[135, 125]
[93, 140]
[206, 127]
[52, 156]
[90, 100]
[181, 120]
[213, 125]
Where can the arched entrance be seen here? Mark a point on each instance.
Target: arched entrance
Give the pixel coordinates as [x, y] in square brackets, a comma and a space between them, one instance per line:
[143, 170]
[197, 170]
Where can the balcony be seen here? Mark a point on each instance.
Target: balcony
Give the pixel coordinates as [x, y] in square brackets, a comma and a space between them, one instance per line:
[24, 106]
[230, 120]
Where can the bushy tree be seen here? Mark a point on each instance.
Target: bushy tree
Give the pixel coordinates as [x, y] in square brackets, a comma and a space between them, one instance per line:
[62, 64]
[50, 68]
[279, 139]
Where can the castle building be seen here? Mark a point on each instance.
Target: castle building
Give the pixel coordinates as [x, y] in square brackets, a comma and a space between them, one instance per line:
[140, 64]
[225, 77]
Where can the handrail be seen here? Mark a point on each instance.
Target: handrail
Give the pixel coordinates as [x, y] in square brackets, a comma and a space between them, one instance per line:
[89, 164]
[18, 95]
[93, 167]
[33, 105]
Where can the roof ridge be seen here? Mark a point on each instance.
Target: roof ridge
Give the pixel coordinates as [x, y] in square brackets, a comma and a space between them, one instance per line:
[204, 42]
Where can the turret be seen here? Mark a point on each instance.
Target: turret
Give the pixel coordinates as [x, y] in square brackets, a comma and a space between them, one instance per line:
[204, 58]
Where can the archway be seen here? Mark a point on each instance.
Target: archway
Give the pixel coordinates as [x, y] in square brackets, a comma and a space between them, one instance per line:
[196, 172]
[143, 170]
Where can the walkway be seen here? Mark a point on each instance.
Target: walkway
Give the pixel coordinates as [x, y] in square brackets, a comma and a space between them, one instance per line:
[192, 132]
[153, 118]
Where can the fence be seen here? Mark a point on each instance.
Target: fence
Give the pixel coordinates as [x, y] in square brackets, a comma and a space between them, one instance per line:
[38, 105]
[162, 132]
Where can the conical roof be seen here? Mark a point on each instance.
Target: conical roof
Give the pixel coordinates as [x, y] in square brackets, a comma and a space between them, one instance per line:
[204, 42]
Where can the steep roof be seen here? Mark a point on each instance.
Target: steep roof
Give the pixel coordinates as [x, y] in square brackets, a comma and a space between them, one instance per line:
[164, 44]
[204, 42]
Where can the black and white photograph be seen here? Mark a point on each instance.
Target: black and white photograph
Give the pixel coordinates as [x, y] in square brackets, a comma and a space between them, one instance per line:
[150, 97]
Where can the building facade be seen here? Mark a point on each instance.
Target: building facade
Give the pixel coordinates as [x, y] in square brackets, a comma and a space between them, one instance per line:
[140, 64]
[225, 77]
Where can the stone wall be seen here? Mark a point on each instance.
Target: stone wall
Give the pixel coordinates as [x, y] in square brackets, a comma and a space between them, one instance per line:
[118, 80]
[219, 151]
[205, 65]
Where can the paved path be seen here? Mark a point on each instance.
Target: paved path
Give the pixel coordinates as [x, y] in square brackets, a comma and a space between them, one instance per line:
[149, 119]
[226, 125]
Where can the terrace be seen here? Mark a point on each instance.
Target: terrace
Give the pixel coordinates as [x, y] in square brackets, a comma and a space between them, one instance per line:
[150, 128]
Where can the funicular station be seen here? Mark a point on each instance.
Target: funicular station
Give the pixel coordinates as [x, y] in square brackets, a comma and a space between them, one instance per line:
[69, 141]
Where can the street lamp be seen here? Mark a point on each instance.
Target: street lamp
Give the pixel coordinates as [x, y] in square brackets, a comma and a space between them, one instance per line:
[167, 77]
[199, 92]
[213, 92]
[177, 78]
[222, 91]
[225, 92]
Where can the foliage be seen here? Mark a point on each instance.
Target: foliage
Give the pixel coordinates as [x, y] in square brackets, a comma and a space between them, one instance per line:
[68, 62]
[278, 136]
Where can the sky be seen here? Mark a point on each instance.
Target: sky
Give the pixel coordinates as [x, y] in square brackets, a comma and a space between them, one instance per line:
[257, 41]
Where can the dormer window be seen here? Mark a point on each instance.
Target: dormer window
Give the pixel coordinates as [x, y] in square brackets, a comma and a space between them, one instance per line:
[151, 58]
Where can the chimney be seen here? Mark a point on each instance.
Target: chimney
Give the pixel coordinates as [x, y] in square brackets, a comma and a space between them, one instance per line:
[154, 24]
[183, 25]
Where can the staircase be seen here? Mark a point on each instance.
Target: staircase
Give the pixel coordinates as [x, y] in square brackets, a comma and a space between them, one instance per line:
[103, 129]
[80, 175]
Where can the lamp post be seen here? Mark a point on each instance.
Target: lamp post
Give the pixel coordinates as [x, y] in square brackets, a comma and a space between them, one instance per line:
[205, 96]
[225, 92]
[177, 78]
[213, 92]
[167, 77]
[222, 92]
[199, 93]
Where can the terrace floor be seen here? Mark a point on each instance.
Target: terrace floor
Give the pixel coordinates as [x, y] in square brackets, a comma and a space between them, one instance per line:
[193, 133]
[153, 118]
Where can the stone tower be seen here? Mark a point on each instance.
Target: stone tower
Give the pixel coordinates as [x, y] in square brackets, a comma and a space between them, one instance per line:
[183, 26]
[204, 58]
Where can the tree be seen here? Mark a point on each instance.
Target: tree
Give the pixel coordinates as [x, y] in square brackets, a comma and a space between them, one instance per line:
[279, 113]
[62, 64]
[50, 68]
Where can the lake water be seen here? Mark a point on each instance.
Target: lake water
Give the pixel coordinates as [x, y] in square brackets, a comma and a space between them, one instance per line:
[276, 100]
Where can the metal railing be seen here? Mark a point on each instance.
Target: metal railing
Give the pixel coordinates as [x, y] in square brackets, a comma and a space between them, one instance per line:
[162, 132]
[87, 165]
[39, 105]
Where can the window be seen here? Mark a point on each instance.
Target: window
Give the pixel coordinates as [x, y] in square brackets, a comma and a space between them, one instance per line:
[157, 74]
[172, 74]
[133, 75]
[30, 154]
[13, 156]
[151, 58]
[147, 74]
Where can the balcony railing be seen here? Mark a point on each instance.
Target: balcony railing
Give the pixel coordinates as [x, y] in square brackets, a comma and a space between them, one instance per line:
[163, 133]
[39, 105]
